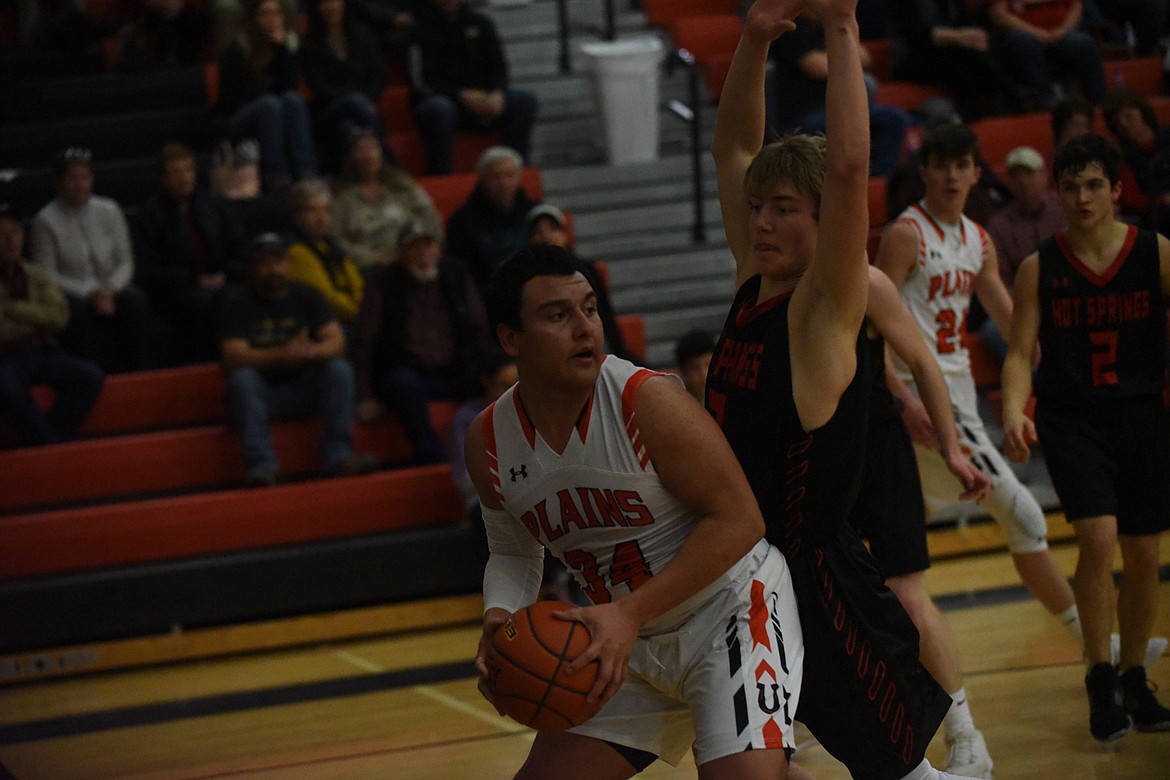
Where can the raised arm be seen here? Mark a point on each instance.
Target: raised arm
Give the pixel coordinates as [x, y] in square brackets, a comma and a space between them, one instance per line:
[739, 122]
[829, 302]
[1019, 433]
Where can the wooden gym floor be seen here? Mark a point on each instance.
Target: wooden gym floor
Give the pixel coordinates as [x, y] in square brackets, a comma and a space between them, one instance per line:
[403, 705]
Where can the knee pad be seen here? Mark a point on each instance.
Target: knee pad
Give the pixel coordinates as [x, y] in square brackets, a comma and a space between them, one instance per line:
[1019, 515]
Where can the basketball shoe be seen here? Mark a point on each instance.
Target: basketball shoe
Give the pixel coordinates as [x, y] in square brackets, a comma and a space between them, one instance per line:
[967, 755]
[1138, 698]
[1108, 720]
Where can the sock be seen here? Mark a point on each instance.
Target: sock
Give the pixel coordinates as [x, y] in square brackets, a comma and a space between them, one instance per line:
[1071, 619]
[923, 771]
[958, 718]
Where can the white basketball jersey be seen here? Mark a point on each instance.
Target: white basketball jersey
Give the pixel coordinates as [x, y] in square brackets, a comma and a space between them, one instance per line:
[938, 287]
[599, 506]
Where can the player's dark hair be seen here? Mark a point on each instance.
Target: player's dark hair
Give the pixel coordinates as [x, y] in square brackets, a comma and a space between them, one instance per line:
[1084, 150]
[948, 141]
[693, 344]
[506, 285]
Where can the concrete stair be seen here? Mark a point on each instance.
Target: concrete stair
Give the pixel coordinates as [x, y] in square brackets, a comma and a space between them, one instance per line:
[638, 218]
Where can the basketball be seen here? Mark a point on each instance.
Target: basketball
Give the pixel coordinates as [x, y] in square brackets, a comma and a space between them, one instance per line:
[526, 660]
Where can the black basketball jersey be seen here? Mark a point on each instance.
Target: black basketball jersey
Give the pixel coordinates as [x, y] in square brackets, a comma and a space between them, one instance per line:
[1102, 336]
[805, 482]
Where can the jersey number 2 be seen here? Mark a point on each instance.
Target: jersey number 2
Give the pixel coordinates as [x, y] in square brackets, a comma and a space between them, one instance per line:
[628, 567]
[948, 332]
[1104, 357]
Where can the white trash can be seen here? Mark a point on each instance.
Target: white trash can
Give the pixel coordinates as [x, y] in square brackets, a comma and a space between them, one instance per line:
[625, 87]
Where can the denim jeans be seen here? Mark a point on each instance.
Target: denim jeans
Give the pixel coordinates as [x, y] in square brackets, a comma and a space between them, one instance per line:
[280, 124]
[406, 392]
[323, 388]
[438, 117]
[1077, 53]
[75, 382]
[887, 129]
[339, 118]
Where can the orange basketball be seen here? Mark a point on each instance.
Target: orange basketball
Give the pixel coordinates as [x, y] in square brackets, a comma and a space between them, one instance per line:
[526, 661]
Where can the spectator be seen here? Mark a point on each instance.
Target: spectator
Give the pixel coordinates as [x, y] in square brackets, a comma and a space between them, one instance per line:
[1136, 26]
[258, 96]
[496, 373]
[82, 240]
[235, 179]
[801, 67]
[940, 42]
[547, 225]
[374, 201]
[345, 72]
[1146, 152]
[284, 356]
[317, 259]
[1032, 215]
[187, 245]
[1019, 226]
[32, 311]
[165, 34]
[692, 357]
[392, 23]
[493, 222]
[460, 80]
[420, 329]
[1043, 39]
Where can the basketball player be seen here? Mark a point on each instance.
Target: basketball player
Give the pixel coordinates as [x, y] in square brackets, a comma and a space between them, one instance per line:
[788, 385]
[937, 257]
[1095, 298]
[890, 514]
[620, 473]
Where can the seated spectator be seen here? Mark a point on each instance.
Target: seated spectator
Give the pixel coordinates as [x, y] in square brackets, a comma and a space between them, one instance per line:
[345, 72]
[421, 328]
[1135, 26]
[1042, 40]
[798, 80]
[82, 240]
[692, 357]
[284, 355]
[496, 372]
[258, 96]
[460, 80]
[187, 244]
[62, 40]
[547, 225]
[235, 180]
[942, 43]
[317, 258]
[1145, 147]
[392, 23]
[165, 34]
[1018, 227]
[373, 201]
[493, 222]
[32, 311]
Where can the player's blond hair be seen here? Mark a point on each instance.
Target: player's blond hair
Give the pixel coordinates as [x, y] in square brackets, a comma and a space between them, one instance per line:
[796, 159]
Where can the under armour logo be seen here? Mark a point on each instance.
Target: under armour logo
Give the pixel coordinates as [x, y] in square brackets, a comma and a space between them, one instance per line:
[522, 473]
